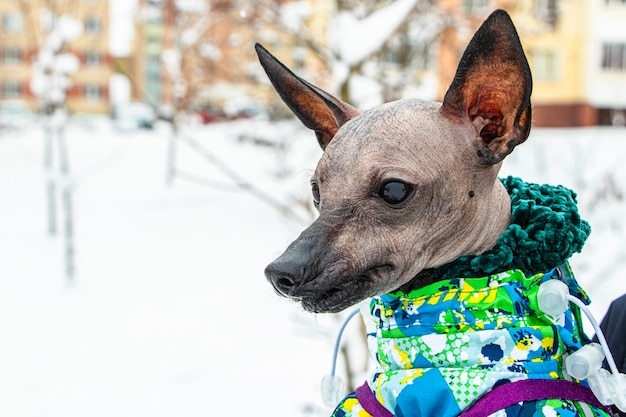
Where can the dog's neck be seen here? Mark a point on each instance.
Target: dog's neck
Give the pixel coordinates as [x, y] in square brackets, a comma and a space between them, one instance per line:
[545, 231]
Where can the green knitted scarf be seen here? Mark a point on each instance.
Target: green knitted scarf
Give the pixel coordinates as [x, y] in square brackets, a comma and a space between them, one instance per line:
[545, 231]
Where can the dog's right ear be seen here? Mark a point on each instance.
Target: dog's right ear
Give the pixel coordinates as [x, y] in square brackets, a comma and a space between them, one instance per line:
[316, 109]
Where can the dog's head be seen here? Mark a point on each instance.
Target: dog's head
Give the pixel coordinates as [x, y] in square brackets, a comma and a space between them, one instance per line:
[408, 185]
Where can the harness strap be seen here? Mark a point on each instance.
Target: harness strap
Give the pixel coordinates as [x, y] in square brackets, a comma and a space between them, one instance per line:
[368, 401]
[501, 397]
[512, 393]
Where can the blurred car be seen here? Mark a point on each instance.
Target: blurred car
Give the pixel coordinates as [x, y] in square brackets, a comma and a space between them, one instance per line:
[133, 115]
[15, 114]
[252, 113]
[210, 115]
[244, 107]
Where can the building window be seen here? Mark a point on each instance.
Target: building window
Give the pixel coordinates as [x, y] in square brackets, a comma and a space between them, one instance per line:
[476, 6]
[11, 56]
[545, 65]
[153, 14]
[614, 57]
[93, 25]
[12, 22]
[92, 92]
[547, 10]
[92, 59]
[11, 89]
[153, 92]
[153, 66]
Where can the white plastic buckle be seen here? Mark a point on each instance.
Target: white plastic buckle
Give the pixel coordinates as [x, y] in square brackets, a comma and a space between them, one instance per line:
[332, 390]
[585, 362]
[552, 297]
[609, 388]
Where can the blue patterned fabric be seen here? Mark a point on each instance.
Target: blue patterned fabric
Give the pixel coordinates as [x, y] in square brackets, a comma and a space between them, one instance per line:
[441, 347]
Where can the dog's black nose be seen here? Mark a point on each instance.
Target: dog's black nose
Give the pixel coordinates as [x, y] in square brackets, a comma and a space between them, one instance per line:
[285, 276]
[292, 273]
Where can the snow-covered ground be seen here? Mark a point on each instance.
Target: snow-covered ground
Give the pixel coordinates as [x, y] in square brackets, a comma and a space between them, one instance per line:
[169, 313]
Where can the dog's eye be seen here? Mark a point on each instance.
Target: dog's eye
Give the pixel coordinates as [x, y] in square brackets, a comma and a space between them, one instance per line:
[394, 192]
[315, 190]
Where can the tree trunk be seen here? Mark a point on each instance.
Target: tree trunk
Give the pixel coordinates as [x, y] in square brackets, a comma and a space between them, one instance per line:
[48, 165]
[66, 199]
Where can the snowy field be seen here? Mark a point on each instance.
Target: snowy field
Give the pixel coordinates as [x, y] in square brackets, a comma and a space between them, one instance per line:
[169, 313]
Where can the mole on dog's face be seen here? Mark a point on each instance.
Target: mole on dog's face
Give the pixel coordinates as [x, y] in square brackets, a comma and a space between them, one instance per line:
[409, 185]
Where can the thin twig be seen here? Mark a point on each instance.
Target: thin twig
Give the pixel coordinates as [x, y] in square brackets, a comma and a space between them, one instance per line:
[241, 182]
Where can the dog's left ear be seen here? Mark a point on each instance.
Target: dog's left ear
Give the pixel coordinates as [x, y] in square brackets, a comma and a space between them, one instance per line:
[492, 88]
[316, 109]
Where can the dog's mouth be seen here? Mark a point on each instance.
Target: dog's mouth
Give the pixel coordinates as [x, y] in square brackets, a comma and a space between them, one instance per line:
[346, 292]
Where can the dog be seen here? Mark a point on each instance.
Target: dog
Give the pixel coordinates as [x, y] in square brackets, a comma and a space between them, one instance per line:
[414, 220]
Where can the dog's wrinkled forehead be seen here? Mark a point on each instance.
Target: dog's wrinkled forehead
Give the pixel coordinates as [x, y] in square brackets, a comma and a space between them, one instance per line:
[390, 118]
[389, 133]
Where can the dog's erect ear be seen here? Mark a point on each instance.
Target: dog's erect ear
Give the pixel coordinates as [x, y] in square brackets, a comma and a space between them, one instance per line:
[317, 109]
[492, 89]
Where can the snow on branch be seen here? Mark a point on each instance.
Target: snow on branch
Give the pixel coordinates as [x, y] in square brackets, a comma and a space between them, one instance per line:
[353, 40]
[53, 67]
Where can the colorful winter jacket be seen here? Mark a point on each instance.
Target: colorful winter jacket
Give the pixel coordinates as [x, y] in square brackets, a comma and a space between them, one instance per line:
[441, 347]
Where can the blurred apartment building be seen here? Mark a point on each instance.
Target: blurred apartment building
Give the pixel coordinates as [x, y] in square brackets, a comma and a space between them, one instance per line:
[194, 47]
[576, 50]
[24, 27]
[210, 49]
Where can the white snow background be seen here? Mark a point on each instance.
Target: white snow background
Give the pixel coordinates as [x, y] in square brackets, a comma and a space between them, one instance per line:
[170, 313]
